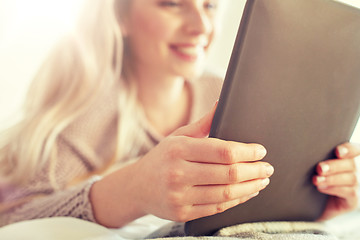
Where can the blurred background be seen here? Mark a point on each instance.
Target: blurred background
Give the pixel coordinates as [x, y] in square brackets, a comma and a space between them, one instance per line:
[28, 29]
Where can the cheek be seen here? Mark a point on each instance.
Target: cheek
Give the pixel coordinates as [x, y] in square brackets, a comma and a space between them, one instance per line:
[152, 26]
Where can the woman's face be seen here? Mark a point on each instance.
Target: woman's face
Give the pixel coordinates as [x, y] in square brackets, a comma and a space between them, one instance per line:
[169, 37]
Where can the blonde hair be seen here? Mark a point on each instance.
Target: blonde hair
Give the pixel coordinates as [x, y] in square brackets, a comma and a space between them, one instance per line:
[79, 68]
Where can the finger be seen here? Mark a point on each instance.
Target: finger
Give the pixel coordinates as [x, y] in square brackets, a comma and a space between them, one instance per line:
[200, 195]
[348, 150]
[198, 129]
[199, 211]
[209, 174]
[335, 166]
[341, 192]
[212, 150]
[337, 180]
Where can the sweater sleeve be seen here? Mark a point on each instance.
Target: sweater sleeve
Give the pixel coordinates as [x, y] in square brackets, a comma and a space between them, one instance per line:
[72, 202]
[61, 187]
[53, 191]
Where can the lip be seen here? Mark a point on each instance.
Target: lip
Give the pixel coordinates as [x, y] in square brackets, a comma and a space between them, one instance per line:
[188, 51]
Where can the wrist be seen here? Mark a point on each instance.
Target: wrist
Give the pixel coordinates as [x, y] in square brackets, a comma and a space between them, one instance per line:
[113, 199]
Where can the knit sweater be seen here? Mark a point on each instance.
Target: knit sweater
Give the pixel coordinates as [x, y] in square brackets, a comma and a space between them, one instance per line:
[84, 147]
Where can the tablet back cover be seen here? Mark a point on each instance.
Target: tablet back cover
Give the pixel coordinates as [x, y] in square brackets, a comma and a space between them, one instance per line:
[293, 85]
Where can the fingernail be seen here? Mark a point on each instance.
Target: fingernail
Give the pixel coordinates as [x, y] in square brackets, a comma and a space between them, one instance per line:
[342, 151]
[320, 179]
[260, 152]
[269, 170]
[324, 167]
[265, 182]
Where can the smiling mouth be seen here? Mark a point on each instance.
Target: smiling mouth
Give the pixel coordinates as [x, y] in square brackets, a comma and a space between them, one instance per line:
[190, 53]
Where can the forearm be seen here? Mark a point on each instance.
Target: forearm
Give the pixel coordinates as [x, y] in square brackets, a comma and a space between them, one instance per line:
[114, 199]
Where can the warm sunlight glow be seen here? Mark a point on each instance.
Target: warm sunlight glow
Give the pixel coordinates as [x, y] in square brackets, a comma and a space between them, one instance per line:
[355, 3]
[28, 29]
[27, 13]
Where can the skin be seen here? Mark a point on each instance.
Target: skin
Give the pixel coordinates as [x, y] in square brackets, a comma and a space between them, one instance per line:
[339, 179]
[159, 34]
[188, 175]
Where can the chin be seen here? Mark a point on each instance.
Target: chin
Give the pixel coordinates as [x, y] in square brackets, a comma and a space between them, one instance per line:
[192, 72]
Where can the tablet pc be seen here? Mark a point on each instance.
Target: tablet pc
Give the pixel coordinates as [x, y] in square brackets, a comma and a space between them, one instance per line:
[293, 85]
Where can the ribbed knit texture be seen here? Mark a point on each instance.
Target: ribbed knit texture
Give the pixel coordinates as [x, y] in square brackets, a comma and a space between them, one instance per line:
[253, 231]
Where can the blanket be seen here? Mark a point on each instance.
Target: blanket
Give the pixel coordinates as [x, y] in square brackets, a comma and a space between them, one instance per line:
[251, 231]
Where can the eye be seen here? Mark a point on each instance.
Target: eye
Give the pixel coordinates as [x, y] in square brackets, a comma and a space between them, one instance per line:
[210, 5]
[170, 3]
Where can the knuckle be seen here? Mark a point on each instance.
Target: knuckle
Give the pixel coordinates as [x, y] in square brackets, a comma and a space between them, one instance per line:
[233, 173]
[226, 154]
[220, 207]
[227, 193]
[174, 176]
[175, 200]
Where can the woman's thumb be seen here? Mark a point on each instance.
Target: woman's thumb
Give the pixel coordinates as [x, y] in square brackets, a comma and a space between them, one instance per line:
[198, 129]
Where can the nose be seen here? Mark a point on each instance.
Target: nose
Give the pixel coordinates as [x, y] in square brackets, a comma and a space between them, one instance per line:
[199, 22]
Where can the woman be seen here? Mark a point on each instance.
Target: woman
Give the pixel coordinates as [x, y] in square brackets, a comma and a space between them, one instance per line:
[109, 133]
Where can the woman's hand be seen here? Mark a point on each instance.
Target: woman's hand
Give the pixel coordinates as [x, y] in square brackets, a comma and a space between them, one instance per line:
[188, 176]
[339, 178]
